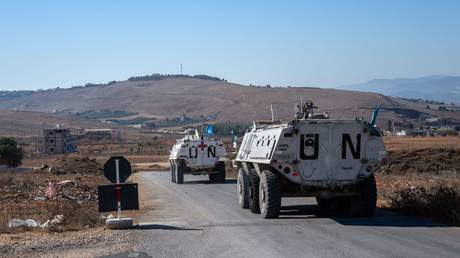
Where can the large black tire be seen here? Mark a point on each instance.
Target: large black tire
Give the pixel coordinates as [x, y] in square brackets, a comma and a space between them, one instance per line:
[173, 173]
[254, 191]
[221, 172]
[363, 205]
[219, 176]
[269, 195]
[180, 169]
[213, 177]
[242, 184]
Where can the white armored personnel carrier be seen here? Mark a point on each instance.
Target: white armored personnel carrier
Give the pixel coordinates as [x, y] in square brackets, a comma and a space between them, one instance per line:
[197, 156]
[332, 160]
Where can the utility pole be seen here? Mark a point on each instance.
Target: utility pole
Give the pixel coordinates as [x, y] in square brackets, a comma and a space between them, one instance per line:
[181, 69]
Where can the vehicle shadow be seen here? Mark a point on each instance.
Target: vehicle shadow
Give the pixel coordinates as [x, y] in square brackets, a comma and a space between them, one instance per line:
[227, 181]
[382, 218]
[161, 227]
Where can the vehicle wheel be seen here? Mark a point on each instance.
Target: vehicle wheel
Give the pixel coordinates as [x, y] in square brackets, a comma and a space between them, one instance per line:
[242, 184]
[364, 204]
[213, 177]
[254, 191]
[270, 195]
[219, 176]
[180, 169]
[173, 173]
[221, 172]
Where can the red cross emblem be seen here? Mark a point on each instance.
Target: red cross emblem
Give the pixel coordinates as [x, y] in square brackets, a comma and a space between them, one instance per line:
[202, 145]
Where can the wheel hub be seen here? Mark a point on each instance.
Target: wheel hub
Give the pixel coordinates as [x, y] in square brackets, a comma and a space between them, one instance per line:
[240, 190]
[262, 195]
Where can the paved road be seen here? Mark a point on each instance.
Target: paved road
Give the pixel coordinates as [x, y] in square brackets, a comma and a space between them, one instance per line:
[199, 219]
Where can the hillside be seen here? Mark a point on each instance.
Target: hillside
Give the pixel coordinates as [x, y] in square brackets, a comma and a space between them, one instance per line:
[439, 88]
[27, 123]
[201, 97]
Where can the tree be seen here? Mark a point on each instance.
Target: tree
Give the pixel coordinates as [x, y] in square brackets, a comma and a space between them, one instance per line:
[10, 153]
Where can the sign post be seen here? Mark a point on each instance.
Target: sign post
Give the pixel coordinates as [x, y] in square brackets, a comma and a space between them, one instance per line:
[118, 187]
[119, 195]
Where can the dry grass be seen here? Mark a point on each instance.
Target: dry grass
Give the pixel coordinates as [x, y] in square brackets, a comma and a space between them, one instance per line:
[394, 143]
[422, 177]
[436, 201]
[422, 182]
[79, 216]
[428, 160]
[437, 196]
[139, 146]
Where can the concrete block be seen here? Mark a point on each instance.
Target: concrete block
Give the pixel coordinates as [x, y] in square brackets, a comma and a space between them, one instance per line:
[122, 223]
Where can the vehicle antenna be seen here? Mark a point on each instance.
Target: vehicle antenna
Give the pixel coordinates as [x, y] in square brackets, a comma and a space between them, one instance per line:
[271, 110]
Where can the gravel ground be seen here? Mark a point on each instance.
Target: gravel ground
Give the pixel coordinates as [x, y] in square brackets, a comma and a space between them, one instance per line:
[84, 243]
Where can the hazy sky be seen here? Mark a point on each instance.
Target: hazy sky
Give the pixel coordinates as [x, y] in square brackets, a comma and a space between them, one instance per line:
[47, 44]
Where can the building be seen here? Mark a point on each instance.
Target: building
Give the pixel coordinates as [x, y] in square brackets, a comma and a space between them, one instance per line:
[56, 141]
[102, 134]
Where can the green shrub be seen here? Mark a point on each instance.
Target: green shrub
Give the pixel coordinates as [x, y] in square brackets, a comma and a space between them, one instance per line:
[10, 153]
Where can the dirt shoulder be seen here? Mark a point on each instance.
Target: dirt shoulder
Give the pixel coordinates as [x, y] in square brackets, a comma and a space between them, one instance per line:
[79, 228]
[85, 243]
[52, 212]
[65, 189]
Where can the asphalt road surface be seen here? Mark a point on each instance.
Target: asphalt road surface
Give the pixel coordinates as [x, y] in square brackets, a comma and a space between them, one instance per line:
[199, 219]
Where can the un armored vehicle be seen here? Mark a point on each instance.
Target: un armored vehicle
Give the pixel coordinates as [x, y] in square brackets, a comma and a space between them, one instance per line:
[197, 156]
[311, 156]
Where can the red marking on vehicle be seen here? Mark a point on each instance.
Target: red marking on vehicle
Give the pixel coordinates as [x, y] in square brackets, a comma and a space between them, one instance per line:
[296, 173]
[202, 145]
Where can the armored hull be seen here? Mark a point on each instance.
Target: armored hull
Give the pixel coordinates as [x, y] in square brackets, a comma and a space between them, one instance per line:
[332, 160]
[197, 155]
[322, 153]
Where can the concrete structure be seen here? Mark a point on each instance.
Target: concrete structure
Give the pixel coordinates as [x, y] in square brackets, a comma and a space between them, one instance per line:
[56, 141]
[102, 134]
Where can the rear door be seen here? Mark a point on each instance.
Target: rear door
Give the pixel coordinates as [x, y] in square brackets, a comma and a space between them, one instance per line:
[207, 152]
[202, 153]
[314, 151]
[349, 145]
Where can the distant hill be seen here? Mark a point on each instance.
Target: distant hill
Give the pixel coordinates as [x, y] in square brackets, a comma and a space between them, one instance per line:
[28, 123]
[440, 88]
[209, 98]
